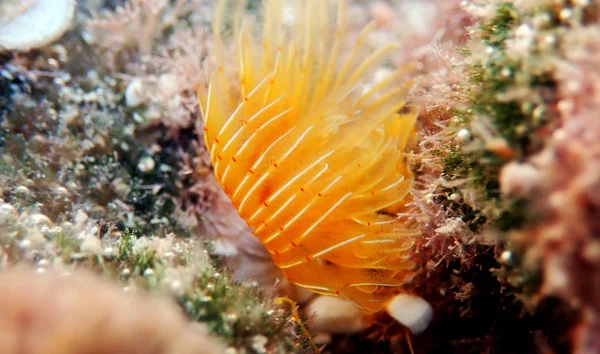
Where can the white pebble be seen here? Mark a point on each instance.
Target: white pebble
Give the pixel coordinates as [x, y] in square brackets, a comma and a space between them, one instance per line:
[565, 14]
[334, 315]
[411, 311]
[176, 286]
[134, 93]
[25, 244]
[506, 257]
[109, 252]
[463, 135]
[519, 178]
[146, 164]
[7, 211]
[22, 192]
[40, 220]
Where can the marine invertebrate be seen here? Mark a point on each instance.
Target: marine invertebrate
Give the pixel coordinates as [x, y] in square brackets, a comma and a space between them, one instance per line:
[311, 153]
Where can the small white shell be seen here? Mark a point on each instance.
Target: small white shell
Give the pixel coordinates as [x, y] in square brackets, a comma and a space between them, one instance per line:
[27, 24]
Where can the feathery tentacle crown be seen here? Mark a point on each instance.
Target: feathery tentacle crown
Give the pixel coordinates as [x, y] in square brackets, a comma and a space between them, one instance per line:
[310, 153]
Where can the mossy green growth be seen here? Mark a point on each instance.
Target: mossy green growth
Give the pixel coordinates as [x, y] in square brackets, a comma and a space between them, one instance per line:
[513, 111]
[511, 92]
[515, 117]
[524, 280]
[66, 244]
[497, 30]
[137, 260]
[513, 216]
[238, 313]
[235, 312]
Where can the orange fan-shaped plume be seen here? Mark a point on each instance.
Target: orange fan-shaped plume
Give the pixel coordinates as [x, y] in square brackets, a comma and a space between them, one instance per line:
[310, 152]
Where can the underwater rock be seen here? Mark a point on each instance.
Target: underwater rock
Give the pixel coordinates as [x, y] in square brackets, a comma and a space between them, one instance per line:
[80, 313]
